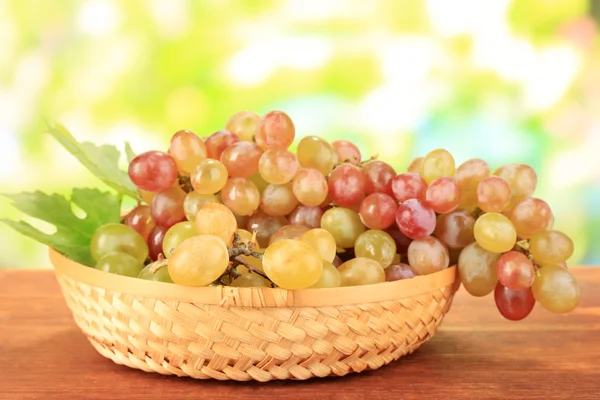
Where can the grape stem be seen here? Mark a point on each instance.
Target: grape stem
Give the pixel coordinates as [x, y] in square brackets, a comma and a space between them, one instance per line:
[240, 261]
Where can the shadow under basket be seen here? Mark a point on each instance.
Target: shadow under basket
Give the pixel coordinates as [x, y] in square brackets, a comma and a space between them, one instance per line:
[260, 334]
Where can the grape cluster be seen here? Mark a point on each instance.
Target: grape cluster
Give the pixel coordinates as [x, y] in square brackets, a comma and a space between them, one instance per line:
[239, 208]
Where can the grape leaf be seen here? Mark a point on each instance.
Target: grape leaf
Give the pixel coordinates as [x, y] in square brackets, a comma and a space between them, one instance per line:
[73, 234]
[102, 161]
[129, 152]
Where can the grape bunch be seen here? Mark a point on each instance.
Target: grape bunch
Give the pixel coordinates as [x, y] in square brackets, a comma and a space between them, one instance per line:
[239, 208]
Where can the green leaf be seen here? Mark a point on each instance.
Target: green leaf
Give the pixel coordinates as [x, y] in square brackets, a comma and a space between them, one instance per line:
[102, 161]
[73, 234]
[129, 152]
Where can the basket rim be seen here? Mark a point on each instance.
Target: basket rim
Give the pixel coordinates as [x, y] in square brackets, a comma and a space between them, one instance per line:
[255, 296]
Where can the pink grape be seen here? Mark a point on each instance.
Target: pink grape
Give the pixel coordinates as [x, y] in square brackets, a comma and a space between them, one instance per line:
[515, 271]
[188, 150]
[455, 229]
[379, 177]
[265, 225]
[218, 142]
[396, 272]
[378, 211]
[346, 185]
[347, 152]
[167, 207]
[241, 159]
[514, 305]
[530, 216]
[409, 185]
[153, 171]
[443, 195]
[402, 241]
[493, 194]
[309, 217]
[275, 129]
[415, 219]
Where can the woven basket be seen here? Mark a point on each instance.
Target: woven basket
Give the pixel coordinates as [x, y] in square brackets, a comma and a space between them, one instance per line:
[253, 333]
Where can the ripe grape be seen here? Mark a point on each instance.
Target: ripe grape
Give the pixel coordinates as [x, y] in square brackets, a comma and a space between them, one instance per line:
[188, 150]
[378, 211]
[243, 124]
[428, 255]
[198, 261]
[162, 275]
[309, 217]
[115, 237]
[346, 152]
[140, 219]
[259, 182]
[556, 289]
[396, 272]
[241, 159]
[443, 195]
[477, 269]
[153, 171]
[415, 165]
[209, 177]
[194, 201]
[402, 241]
[377, 245]
[436, 164]
[347, 185]
[292, 264]
[248, 280]
[322, 241]
[330, 277]
[310, 187]
[277, 166]
[515, 271]
[218, 220]
[495, 232]
[245, 236]
[530, 216]
[361, 271]
[218, 142]
[275, 129]
[514, 305]
[176, 235]
[521, 178]
[155, 242]
[550, 247]
[120, 264]
[409, 185]
[147, 196]
[265, 226]
[415, 219]
[314, 152]
[468, 175]
[455, 229]
[379, 177]
[493, 194]
[278, 200]
[344, 224]
[288, 232]
[167, 207]
[241, 196]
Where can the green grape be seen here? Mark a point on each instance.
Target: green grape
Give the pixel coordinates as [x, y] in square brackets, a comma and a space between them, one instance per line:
[477, 269]
[377, 245]
[344, 224]
[322, 241]
[361, 271]
[556, 289]
[314, 152]
[292, 264]
[550, 247]
[198, 261]
[176, 235]
[437, 164]
[194, 201]
[120, 264]
[118, 238]
[162, 275]
[216, 219]
[330, 277]
[248, 280]
[495, 232]
[427, 256]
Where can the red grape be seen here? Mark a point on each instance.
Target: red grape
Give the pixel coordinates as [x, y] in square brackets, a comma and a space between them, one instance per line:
[155, 242]
[379, 177]
[455, 229]
[443, 195]
[402, 241]
[396, 272]
[265, 225]
[346, 185]
[167, 207]
[409, 185]
[515, 271]
[514, 305]
[218, 142]
[275, 129]
[378, 211]
[415, 219]
[241, 159]
[153, 171]
[347, 152]
[140, 219]
[306, 216]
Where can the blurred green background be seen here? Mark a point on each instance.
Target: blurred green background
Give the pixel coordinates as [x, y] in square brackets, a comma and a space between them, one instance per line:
[507, 81]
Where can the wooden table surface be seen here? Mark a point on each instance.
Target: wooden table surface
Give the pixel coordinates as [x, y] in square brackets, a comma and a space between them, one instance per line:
[475, 355]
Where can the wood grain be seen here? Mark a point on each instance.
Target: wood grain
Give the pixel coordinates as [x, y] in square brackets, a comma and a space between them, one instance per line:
[475, 355]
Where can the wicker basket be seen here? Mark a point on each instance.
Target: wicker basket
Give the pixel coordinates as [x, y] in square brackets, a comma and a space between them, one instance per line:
[252, 333]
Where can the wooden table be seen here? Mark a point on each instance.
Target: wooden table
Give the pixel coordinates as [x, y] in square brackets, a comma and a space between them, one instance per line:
[475, 355]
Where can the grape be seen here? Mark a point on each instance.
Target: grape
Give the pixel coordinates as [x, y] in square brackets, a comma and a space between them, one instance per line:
[167, 207]
[198, 261]
[556, 289]
[468, 175]
[337, 261]
[477, 269]
[550, 247]
[402, 242]
[379, 177]
[493, 194]
[314, 152]
[162, 275]
[292, 264]
[521, 178]
[330, 277]
[530, 216]
[515, 271]
[209, 177]
[140, 219]
[344, 224]
[288, 232]
[176, 235]
[277, 166]
[436, 164]
[347, 185]
[378, 211]
[153, 171]
[245, 236]
[188, 150]
[241, 196]
[309, 217]
[514, 305]
[243, 124]
[147, 196]
[494, 232]
[218, 220]
[218, 142]
[155, 242]
[265, 225]
[278, 200]
[310, 187]
[346, 152]
[415, 219]
[377, 245]
[248, 280]
[115, 237]
[275, 129]
[322, 241]
[194, 201]
[120, 264]
[361, 271]
[396, 272]
[408, 186]
[455, 229]
[241, 159]
[427, 256]
[443, 195]
[415, 165]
